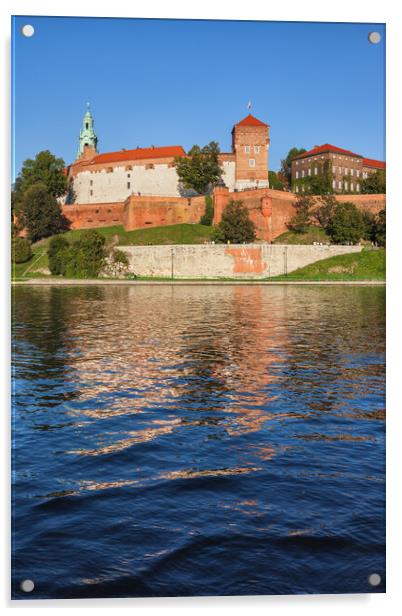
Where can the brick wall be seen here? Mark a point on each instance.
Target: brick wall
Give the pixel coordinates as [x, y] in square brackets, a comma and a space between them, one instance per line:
[94, 215]
[271, 210]
[142, 212]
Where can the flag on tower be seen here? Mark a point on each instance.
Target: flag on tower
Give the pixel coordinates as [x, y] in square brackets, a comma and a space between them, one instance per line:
[249, 105]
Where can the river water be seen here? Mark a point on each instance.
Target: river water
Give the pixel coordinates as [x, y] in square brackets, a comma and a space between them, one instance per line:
[198, 440]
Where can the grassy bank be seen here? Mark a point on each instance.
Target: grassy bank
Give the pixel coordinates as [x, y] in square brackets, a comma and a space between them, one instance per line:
[313, 234]
[116, 235]
[365, 265]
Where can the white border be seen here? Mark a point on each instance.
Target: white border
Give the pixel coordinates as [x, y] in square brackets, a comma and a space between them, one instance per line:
[293, 10]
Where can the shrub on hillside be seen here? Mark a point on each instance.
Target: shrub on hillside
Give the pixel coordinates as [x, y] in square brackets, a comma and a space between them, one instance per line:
[21, 250]
[379, 228]
[236, 225]
[85, 256]
[347, 225]
[58, 254]
[208, 216]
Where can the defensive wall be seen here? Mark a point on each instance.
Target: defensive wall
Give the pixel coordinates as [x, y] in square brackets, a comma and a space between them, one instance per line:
[269, 209]
[252, 261]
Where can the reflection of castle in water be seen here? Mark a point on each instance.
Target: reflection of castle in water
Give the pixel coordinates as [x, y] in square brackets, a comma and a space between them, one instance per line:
[216, 357]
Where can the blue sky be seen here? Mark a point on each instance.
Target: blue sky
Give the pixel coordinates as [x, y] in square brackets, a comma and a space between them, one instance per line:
[174, 82]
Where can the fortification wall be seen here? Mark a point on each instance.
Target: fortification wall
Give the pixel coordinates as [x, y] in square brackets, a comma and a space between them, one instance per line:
[89, 216]
[142, 212]
[255, 261]
[271, 210]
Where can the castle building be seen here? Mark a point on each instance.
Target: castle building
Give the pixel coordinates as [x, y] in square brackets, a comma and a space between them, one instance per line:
[114, 176]
[347, 169]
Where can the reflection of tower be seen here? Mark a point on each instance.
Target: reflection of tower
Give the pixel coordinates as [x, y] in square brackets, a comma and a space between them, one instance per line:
[88, 139]
[250, 143]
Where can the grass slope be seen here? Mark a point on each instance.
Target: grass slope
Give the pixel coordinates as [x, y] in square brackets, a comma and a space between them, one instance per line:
[313, 234]
[171, 234]
[365, 265]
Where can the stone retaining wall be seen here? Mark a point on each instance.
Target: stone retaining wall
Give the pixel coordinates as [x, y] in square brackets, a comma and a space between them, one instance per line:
[253, 261]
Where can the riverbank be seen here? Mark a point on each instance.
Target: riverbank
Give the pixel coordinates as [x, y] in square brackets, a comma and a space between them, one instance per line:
[107, 281]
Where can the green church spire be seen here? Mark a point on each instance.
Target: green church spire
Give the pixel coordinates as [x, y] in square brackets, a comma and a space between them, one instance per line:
[87, 133]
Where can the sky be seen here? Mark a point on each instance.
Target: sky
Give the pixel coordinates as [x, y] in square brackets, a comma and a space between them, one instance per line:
[186, 82]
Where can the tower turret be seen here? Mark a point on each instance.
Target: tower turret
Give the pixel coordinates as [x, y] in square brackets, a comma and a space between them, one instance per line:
[88, 140]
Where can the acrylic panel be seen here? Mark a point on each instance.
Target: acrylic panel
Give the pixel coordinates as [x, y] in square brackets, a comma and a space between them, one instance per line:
[198, 323]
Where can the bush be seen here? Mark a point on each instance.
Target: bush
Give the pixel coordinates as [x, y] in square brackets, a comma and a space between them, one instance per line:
[85, 256]
[235, 226]
[379, 228]
[208, 216]
[21, 250]
[57, 255]
[347, 225]
[120, 257]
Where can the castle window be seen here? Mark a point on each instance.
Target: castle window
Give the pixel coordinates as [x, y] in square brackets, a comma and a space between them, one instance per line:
[333, 169]
[128, 184]
[91, 182]
[91, 192]
[129, 175]
[309, 171]
[297, 188]
[333, 184]
[358, 187]
[251, 162]
[357, 172]
[149, 166]
[346, 185]
[256, 149]
[129, 167]
[86, 126]
[315, 170]
[351, 186]
[303, 173]
[247, 149]
[352, 171]
[340, 185]
[297, 175]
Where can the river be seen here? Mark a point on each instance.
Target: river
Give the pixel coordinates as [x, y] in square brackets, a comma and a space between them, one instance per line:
[198, 440]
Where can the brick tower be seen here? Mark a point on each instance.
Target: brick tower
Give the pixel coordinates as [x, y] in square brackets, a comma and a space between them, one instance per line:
[250, 143]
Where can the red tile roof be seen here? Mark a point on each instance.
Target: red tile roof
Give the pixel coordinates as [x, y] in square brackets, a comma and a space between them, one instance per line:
[139, 154]
[327, 147]
[250, 120]
[376, 164]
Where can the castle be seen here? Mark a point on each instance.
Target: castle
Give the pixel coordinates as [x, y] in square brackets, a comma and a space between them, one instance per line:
[140, 188]
[113, 176]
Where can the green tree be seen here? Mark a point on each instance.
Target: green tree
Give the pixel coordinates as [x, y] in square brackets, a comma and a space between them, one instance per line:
[347, 224]
[57, 254]
[236, 226]
[274, 181]
[325, 210]
[21, 250]
[45, 169]
[40, 213]
[374, 183]
[303, 216]
[200, 170]
[208, 216]
[379, 228]
[320, 184]
[286, 163]
[85, 257]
